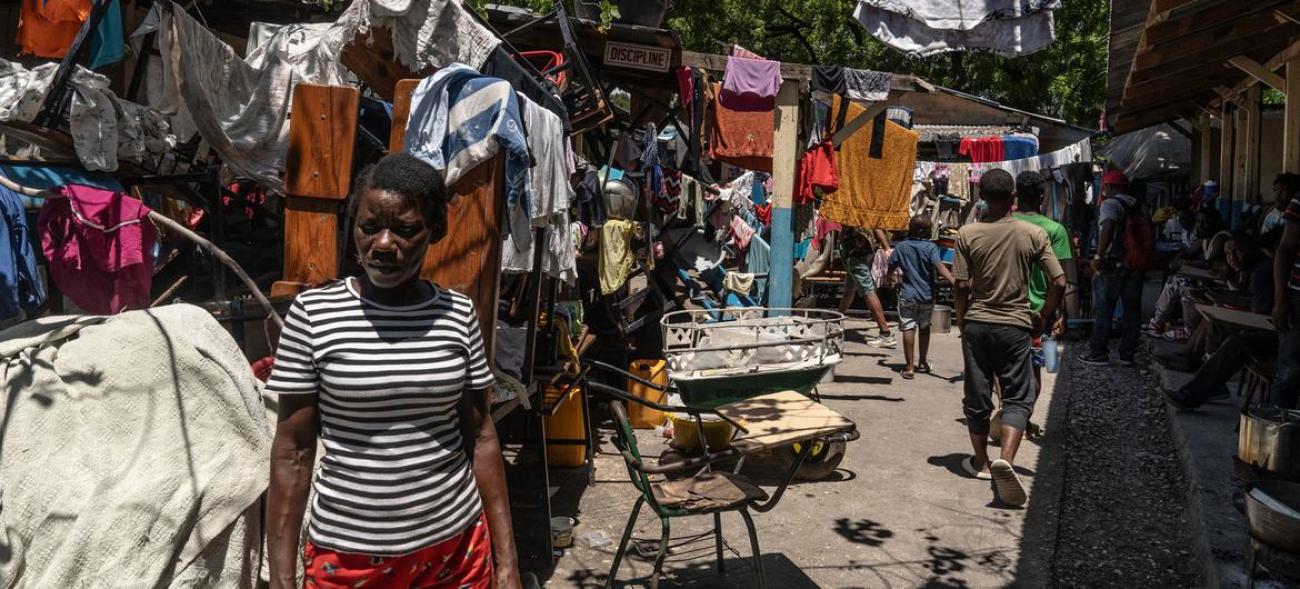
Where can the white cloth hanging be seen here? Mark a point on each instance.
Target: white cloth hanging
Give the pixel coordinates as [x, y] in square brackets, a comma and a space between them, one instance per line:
[893, 23]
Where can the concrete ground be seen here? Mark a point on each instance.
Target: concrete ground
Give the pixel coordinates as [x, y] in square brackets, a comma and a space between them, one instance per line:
[898, 513]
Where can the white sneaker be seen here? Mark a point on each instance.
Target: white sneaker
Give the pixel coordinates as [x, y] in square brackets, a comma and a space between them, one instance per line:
[883, 341]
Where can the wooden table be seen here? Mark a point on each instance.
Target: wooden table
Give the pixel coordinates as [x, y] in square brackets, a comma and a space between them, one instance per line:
[1235, 318]
[1230, 298]
[781, 419]
[1201, 273]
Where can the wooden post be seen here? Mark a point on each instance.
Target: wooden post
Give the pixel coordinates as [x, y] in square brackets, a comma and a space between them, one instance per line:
[1205, 129]
[785, 158]
[318, 175]
[1291, 124]
[1253, 116]
[1226, 143]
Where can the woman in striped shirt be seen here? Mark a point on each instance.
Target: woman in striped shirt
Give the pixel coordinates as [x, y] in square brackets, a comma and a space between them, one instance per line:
[388, 371]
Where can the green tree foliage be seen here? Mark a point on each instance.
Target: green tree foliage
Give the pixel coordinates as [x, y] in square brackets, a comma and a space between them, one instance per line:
[1067, 80]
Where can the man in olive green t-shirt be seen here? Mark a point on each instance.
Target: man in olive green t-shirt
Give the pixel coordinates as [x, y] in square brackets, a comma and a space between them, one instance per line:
[991, 300]
[1029, 203]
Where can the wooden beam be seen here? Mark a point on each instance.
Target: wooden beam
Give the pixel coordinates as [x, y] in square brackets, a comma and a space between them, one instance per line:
[1291, 119]
[1257, 71]
[1214, 41]
[1180, 129]
[1226, 144]
[1205, 132]
[785, 161]
[1282, 14]
[1209, 17]
[1279, 60]
[858, 122]
[1251, 167]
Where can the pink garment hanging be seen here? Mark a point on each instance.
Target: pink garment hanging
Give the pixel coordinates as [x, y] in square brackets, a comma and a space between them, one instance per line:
[821, 228]
[741, 233]
[99, 245]
[752, 78]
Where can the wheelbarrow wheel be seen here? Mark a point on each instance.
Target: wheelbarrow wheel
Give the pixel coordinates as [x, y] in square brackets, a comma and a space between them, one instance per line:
[823, 460]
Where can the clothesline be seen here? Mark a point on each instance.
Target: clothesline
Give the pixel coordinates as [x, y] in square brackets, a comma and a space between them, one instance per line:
[160, 219]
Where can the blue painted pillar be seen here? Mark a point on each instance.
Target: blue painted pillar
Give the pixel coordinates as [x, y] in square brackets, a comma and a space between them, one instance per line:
[785, 158]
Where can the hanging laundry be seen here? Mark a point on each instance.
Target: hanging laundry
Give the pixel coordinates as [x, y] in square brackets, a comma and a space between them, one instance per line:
[615, 254]
[21, 285]
[982, 149]
[758, 260]
[669, 200]
[591, 204]
[829, 79]
[108, 42]
[874, 191]
[921, 28]
[685, 86]
[550, 192]
[741, 137]
[48, 31]
[757, 79]
[99, 245]
[486, 118]
[741, 283]
[817, 169]
[1017, 147]
[738, 51]
[901, 115]
[959, 181]
[764, 214]
[866, 85]
[741, 233]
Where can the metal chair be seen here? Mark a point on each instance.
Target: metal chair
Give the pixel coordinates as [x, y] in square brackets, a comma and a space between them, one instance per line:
[654, 494]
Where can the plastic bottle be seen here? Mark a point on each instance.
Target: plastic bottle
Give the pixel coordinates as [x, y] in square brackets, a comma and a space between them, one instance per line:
[1051, 356]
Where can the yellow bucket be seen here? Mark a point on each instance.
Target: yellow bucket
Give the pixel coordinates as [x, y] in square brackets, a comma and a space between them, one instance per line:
[686, 433]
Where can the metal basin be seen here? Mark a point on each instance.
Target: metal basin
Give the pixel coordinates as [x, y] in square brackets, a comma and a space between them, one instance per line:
[1266, 504]
[1269, 439]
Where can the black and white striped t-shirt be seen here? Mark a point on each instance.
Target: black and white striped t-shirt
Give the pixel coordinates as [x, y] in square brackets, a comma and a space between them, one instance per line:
[395, 476]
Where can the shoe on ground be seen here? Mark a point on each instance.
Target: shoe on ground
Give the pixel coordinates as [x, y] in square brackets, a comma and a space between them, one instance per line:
[1091, 360]
[1177, 335]
[968, 465]
[883, 341]
[923, 368]
[1007, 485]
[1177, 399]
[908, 374]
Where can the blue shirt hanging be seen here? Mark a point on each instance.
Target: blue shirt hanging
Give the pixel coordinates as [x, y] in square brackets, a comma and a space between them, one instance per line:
[108, 42]
[20, 280]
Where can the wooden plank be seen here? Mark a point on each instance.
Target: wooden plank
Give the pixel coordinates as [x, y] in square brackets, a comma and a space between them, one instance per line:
[1213, 45]
[858, 122]
[322, 135]
[1222, 13]
[468, 259]
[1226, 145]
[1257, 71]
[1205, 129]
[1240, 153]
[1251, 168]
[785, 160]
[311, 233]
[401, 112]
[1291, 119]
[1235, 318]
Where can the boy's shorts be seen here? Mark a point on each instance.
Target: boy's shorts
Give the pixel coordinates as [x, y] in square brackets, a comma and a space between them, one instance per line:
[914, 315]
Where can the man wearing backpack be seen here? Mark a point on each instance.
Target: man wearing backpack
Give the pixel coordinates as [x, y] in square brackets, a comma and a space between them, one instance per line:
[1125, 251]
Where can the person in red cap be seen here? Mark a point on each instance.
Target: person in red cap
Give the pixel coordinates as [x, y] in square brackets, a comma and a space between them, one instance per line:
[1118, 276]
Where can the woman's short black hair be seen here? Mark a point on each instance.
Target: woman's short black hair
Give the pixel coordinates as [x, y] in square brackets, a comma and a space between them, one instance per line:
[409, 176]
[1289, 183]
